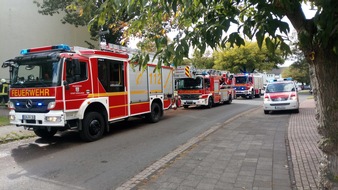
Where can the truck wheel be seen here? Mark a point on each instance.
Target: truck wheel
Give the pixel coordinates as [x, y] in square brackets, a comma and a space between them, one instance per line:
[210, 102]
[155, 114]
[266, 112]
[258, 95]
[93, 127]
[44, 133]
[252, 95]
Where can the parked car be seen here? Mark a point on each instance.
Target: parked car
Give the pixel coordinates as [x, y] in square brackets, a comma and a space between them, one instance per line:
[281, 95]
[306, 87]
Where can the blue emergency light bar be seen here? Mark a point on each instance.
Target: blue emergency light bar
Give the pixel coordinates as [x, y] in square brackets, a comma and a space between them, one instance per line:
[63, 47]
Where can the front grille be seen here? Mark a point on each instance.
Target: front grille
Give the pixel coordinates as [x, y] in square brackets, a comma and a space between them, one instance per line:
[31, 105]
[189, 96]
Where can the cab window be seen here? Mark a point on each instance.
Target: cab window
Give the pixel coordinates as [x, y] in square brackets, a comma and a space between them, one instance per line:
[71, 77]
[111, 75]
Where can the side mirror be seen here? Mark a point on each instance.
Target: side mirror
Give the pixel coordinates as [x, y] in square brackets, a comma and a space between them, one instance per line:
[9, 63]
[65, 83]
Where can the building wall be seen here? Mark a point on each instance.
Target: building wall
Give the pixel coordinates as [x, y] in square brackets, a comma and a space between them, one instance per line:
[23, 27]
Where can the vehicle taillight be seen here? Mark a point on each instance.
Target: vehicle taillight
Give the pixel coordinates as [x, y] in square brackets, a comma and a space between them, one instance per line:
[293, 96]
[266, 98]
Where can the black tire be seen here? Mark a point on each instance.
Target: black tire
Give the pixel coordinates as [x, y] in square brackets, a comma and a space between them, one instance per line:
[229, 101]
[155, 114]
[186, 107]
[252, 95]
[266, 112]
[210, 102]
[44, 133]
[93, 127]
[296, 111]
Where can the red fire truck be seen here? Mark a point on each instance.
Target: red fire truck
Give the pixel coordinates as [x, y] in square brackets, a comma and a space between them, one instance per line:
[55, 88]
[248, 85]
[203, 87]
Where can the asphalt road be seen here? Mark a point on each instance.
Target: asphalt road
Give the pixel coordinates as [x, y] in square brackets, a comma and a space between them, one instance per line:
[68, 163]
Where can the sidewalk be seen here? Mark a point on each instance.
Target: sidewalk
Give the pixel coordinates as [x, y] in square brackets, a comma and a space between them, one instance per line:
[251, 152]
[303, 138]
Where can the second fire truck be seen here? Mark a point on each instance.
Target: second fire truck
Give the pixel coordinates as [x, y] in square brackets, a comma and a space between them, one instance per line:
[248, 85]
[203, 87]
[54, 88]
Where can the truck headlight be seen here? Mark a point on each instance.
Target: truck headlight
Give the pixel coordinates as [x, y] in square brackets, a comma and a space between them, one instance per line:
[53, 118]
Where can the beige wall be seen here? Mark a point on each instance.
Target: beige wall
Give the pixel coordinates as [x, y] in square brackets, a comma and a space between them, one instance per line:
[21, 26]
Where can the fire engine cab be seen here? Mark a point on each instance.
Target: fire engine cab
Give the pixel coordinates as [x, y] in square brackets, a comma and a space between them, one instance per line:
[248, 85]
[55, 88]
[203, 87]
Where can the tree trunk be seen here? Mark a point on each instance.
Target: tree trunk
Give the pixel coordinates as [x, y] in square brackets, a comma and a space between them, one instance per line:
[324, 81]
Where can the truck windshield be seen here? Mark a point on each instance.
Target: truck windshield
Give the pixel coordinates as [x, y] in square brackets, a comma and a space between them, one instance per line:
[241, 80]
[280, 87]
[190, 83]
[36, 73]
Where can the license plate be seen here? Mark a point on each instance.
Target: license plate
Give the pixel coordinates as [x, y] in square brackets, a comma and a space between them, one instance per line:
[28, 117]
[280, 107]
[188, 102]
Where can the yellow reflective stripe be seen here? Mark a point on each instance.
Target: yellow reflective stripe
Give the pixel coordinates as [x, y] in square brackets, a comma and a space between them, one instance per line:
[139, 92]
[119, 106]
[138, 103]
[166, 81]
[106, 94]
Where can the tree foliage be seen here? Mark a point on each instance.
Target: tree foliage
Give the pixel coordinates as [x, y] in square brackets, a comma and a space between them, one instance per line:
[200, 61]
[85, 13]
[299, 71]
[200, 24]
[247, 58]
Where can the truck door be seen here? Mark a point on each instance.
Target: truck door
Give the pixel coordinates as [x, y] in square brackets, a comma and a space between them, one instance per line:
[111, 75]
[77, 84]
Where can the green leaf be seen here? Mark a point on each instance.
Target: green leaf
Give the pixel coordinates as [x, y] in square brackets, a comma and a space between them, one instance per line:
[260, 38]
[269, 44]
